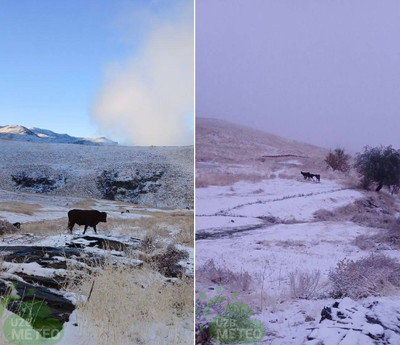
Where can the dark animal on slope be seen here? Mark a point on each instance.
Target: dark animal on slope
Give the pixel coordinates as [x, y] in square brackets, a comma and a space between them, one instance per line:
[127, 211]
[87, 218]
[318, 177]
[17, 225]
[306, 175]
[309, 176]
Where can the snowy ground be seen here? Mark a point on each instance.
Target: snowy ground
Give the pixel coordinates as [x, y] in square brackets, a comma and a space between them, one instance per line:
[126, 224]
[267, 229]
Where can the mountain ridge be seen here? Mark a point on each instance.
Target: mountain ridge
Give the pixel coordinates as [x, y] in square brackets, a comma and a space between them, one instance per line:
[39, 135]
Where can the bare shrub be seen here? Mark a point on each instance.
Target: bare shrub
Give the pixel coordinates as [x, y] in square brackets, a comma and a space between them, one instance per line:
[148, 244]
[224, 276]
[324, 215]
[167, 262]
[7, 228]
[373, 221]
[338, 160]
[374, 211]
[384, 239]
[374, 275]
[258, 191]
[304, 284]
[365, 242]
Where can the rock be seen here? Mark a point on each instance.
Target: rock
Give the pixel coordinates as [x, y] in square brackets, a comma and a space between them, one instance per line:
[113, 186]
[61, 307]
[348, 322]
[38, 182]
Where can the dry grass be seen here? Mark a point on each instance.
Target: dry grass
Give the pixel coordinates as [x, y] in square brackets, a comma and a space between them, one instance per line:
[128, 305]
[227, 179]
[290, 244]
[86, 204]
[185, 236]
[19, 207]
[46, 227]
[175, 227]
[306, 285]
[233, 281]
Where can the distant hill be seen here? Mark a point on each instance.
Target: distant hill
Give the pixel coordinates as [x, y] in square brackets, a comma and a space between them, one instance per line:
[222, 141]
[38, 135]
[152, 176]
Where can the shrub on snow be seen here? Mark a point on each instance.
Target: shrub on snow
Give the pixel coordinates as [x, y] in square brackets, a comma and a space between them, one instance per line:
[374, 275]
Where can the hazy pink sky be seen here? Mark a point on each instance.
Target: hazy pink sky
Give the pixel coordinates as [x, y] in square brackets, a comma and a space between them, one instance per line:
[325, 72]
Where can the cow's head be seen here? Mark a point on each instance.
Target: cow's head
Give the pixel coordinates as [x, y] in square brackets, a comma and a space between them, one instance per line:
[103, 217]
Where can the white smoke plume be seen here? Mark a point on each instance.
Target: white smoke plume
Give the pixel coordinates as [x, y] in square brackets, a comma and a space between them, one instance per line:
[150, 99]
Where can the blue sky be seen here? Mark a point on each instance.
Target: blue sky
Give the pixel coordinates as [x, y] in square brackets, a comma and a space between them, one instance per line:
[54, 54]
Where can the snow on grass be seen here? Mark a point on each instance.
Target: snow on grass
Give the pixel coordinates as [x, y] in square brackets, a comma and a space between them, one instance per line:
[300, 207]
[312, 195]
[188, 264]
[285, 248]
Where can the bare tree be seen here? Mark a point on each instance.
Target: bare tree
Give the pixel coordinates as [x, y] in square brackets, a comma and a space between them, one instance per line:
[338, 160]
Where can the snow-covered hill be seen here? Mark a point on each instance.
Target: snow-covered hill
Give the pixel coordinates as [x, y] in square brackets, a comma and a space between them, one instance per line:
[39, 135]
[223, 141]
[152, 176]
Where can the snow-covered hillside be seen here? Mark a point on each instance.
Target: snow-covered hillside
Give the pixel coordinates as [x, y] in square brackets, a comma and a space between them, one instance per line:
[39, 135]
[277, 239]
[223, 141]
[154, 176]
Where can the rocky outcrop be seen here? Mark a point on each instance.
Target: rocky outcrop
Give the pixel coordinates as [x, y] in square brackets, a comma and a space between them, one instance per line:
[129, 188]
[347, 322]
[37, 182]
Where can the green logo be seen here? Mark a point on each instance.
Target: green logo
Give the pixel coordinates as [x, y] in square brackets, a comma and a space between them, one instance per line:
[234, 327]
[31, 324]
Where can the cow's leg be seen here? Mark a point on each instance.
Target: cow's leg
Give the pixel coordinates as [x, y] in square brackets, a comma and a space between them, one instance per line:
[85, 229]
[70, 226]
[94, 227]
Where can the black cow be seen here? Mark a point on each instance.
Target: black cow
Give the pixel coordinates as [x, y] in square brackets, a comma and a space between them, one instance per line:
[17, 225]
[86, 218]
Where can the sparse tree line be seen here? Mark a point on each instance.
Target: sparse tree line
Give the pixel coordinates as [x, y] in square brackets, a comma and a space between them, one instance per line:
[378, 166]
